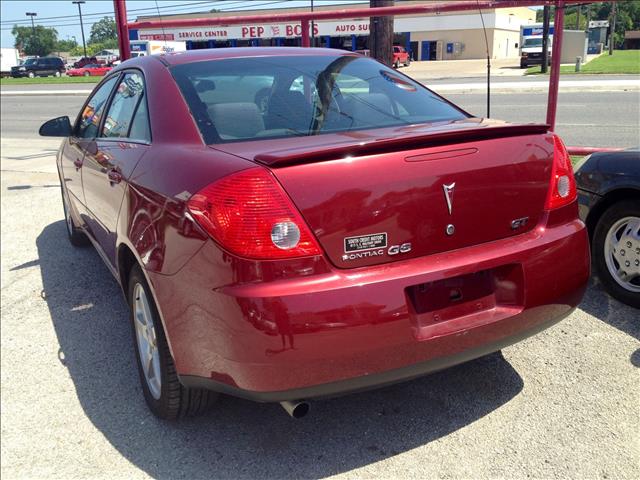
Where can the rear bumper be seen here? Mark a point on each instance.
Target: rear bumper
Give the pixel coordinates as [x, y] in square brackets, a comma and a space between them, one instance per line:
[321, 334]
[586, 201]
[532, 61]
[375, 380]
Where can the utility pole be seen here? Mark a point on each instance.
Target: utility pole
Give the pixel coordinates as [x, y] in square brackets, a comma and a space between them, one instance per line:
[33, 27]
[546, 19]
[578, 9]
[84, 44]
[613, 28]
[381, 34]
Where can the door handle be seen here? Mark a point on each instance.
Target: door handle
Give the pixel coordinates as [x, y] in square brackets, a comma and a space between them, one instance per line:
[78, 163]
[114, 177]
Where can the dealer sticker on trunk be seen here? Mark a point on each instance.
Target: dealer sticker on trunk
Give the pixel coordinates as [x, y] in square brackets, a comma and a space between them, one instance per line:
[365, 242]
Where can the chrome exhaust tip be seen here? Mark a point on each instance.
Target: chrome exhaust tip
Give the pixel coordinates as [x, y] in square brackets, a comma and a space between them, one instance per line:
[295, 408]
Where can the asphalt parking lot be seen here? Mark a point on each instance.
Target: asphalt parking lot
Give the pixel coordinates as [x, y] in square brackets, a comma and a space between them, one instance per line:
[561, 404]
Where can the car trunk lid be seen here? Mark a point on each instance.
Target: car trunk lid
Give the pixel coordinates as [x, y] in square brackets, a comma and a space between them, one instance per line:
[385, 195]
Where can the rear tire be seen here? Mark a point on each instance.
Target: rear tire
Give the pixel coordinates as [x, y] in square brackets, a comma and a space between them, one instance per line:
[396, 65]
[165, 396]
[76, 236]
[609, 237]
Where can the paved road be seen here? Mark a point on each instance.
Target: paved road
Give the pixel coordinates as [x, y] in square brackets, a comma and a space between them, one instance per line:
[607, 119]
[421, 75]
[562, 404]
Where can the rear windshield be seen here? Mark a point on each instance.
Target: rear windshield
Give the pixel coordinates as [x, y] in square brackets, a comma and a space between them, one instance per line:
[256, 98]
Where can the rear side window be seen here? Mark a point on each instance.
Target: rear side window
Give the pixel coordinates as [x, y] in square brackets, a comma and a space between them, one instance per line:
[89, 120]
[255, 98]
[140, 124]
[126, 101]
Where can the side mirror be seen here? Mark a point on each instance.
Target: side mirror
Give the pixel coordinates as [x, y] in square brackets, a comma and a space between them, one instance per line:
[56, 127]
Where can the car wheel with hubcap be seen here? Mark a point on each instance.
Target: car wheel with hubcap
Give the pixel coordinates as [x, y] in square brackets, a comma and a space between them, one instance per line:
[163, 392]
[76, 236]
[616, 251]
[31, 74]
[57, 74]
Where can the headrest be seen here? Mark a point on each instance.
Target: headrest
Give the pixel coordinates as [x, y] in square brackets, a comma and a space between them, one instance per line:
[236, 120]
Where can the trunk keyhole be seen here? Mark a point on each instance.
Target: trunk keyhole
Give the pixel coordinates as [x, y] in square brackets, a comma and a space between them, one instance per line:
[455, 295]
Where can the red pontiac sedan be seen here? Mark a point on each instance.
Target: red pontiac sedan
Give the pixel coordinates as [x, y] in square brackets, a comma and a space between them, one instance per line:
[354, 230]
[91, 70]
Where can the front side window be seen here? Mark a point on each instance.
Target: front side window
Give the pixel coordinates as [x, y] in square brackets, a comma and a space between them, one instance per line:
[127, 98]
[286, 96]
[89, 120]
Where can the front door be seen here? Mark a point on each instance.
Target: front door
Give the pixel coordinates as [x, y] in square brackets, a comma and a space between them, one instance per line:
[414, 51]
[111, 157]
[73, 152]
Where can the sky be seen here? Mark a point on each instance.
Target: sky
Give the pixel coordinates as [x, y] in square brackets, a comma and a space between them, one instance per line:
[12, 12]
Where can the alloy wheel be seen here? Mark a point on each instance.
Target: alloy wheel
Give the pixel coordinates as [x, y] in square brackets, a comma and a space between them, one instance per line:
[622, 253]
[147, 341]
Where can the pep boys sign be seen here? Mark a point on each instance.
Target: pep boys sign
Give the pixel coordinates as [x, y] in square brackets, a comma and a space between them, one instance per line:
[246, 32]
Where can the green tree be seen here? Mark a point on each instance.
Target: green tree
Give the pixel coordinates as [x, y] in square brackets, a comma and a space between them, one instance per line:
[627, 16]
[93, 48]
[65, 45]
[104, 30]
[41, 42]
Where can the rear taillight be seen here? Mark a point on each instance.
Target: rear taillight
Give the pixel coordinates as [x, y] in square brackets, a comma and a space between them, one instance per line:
[249, 214]
[562, 190]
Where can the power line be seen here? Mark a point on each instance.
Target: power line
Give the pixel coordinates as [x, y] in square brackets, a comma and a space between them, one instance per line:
[74, 24]
[175, 6]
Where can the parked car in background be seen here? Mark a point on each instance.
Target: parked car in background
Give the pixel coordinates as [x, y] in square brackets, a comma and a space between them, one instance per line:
[107, 56]
[609, 197]
[39, 67]
[358, 230]
[90, 70]
[400, 56]
[85, 61]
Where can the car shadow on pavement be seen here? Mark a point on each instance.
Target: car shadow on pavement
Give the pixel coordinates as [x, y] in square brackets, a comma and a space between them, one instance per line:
[598, 303]
[237, 438]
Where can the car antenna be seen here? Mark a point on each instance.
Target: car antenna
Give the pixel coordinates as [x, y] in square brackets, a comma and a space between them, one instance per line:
[486, 42]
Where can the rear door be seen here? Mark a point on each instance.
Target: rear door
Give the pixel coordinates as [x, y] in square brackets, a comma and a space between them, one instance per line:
[49, 68]
[111, 157]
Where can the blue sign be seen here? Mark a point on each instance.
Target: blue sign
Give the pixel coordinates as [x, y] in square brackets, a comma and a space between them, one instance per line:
[138, 47]
[535, 31]
[449, 47]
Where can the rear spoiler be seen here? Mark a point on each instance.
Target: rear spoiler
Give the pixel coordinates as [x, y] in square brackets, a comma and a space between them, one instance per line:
[436, 137]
